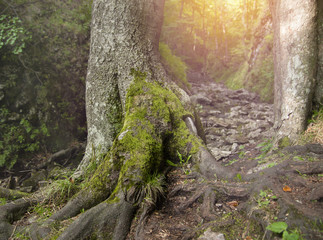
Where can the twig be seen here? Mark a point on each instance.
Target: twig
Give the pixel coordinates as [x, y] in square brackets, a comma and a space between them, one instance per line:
[28, 68]
[13, 232]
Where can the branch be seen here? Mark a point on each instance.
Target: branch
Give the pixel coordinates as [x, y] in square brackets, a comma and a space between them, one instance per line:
[28, 68]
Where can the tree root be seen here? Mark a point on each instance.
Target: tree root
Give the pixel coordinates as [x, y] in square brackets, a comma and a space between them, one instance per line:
[11, 194]
[10, 212]
[104, 221]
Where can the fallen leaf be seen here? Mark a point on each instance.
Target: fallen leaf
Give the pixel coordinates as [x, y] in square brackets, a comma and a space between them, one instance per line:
[287, 189]
[248, 238]
[233, 204]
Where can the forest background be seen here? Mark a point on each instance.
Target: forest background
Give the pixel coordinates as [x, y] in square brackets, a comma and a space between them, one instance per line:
[44, 48]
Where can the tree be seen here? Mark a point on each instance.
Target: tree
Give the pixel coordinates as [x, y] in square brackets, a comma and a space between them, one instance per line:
[137, 118]
[296, 62]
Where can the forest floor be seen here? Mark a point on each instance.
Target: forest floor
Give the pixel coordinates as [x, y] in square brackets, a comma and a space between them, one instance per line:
[271, 185]
[238, 129]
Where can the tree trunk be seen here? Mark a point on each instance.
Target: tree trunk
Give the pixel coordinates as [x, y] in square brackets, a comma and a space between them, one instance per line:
[295, 64]
[134, 110]
[319, 89]
[124, 35]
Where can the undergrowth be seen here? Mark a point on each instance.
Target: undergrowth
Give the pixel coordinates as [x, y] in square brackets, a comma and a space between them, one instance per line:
[314, 132]
[174, 66]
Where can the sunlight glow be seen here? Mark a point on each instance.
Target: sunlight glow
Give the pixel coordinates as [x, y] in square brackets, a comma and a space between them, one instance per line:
[233, 2]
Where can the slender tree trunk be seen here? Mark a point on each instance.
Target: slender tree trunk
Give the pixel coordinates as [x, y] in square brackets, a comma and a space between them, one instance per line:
[182, 8]
[295, 63]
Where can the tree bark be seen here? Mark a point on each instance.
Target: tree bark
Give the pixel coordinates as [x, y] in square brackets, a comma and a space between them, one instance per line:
[319, 88]
[124, 35]
[295, 64]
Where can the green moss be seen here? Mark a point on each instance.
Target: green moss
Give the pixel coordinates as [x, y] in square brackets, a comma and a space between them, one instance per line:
[153, 126]
[284, 142]
[174, 66]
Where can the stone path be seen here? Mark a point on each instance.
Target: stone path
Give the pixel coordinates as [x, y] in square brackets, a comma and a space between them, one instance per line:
[232, 119]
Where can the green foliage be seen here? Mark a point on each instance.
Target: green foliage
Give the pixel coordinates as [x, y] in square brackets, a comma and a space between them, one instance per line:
[317, 115]
[44, 85]
[15, 139]
[265, 146]
[242, 153]
[42, 211]
[228, 40]
[20, 236]
[149, 191]
[265, 197]
[3, 201]
[231, 162]
[277, 227]
[154, 188]
[183, 163]
[63, 189]
[238, 177]
[174, 65]
[281, 227]
[13, 34]
[314, 132]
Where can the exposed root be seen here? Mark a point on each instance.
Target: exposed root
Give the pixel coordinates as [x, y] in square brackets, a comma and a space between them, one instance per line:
[147, 210]
[11, 194]
[13, 211]
[192, 199]
[104, 221]
[208, 211]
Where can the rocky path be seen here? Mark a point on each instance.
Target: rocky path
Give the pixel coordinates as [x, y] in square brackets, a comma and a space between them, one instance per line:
[232, 120]
[235, 122]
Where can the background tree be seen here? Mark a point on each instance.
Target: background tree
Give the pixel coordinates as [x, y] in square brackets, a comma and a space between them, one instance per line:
[230, 41]
[296, 62]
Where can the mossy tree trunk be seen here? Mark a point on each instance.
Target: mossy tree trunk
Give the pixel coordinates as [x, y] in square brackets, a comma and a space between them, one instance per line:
[124, 35]
[137, 118]
[296, 62]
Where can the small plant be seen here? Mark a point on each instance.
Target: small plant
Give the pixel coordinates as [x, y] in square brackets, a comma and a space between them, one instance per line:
[281, 228]
[265, 147]
[148, 191]
[298, 158]
[63, 189]
[20, 236]
[42, 211]
[231, 162]
[270, 165]
[238, 177]
[183, 163]
[265, 197]
[3, 201]
[303, 175]
[242, 153]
